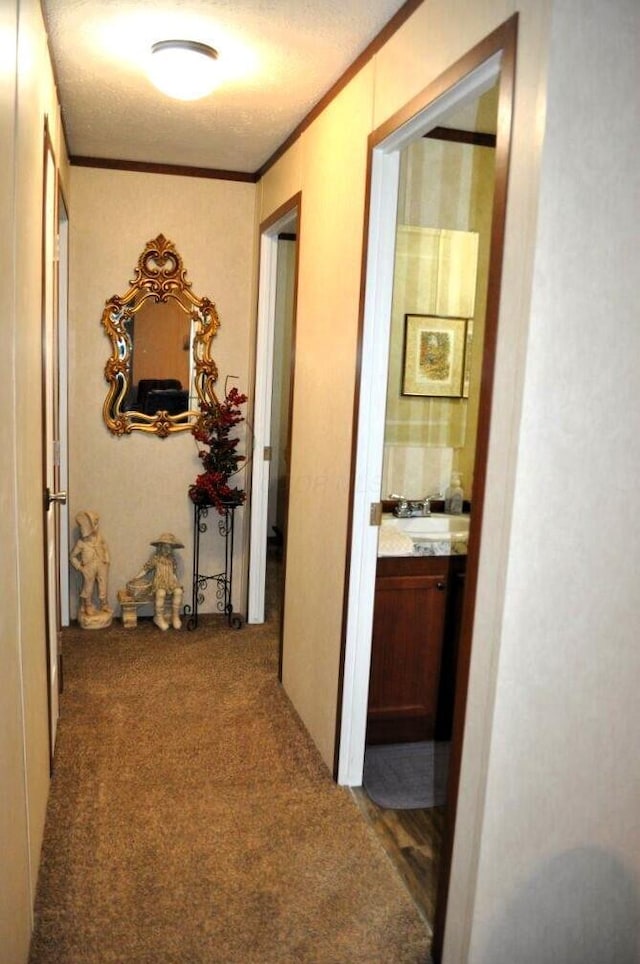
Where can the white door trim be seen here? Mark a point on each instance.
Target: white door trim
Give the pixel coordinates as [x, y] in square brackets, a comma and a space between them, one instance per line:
[371, 413]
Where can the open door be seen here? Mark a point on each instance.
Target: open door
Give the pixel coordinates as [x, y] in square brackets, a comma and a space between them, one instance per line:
[274, 391]
[54, 496]
[62, 357]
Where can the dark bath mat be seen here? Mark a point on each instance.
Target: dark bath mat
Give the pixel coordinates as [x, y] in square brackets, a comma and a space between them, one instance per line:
[407, 776]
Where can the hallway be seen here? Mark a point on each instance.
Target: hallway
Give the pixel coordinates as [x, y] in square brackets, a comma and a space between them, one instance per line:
[192, 820]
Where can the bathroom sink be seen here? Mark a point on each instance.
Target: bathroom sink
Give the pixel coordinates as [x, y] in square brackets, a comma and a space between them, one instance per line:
[432, 535]
[436, 526]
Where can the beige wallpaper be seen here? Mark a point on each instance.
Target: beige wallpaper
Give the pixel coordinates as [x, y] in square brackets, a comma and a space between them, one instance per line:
[331, 159]
[560, 851]
[138, 484]
[15, 893]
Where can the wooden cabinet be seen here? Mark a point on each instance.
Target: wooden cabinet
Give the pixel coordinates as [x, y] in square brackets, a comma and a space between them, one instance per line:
[414, 648]
[449, 660]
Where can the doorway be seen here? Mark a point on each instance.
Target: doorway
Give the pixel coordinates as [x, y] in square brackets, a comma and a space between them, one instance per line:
[445, 200]
[275, 358]
[63, 402]
[491, 63]
[54, 420]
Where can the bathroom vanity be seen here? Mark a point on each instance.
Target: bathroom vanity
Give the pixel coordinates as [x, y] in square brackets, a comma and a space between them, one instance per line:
[416, 625]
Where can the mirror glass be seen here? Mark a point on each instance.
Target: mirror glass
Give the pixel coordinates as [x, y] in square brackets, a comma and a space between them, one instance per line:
[160, 369]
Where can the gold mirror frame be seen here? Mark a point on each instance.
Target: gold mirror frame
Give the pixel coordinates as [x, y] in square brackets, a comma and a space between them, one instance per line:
[160, 276]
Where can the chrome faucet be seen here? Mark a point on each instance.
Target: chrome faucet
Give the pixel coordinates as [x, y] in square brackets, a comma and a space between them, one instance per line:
[407, 508]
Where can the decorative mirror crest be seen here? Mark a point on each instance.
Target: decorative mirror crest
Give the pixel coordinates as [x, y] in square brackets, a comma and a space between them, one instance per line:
[160, 369]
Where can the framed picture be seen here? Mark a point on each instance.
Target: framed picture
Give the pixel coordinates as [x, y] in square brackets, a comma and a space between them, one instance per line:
[433, 355]
[466, 376]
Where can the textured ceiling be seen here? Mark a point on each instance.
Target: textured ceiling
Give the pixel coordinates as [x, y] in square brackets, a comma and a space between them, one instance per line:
[279, 58]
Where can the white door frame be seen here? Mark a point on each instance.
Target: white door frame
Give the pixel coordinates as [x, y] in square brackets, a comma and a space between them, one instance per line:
[371, 413]
[262, 409]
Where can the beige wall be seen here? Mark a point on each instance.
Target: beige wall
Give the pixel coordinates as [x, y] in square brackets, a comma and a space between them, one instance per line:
[138, 483]
[15, 898]
[559, 869]
[328, 164]
[24, 754]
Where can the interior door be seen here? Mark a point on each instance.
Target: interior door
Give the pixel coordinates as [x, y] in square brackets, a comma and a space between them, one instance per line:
[271, 374]
[53, 495]
[62, 402]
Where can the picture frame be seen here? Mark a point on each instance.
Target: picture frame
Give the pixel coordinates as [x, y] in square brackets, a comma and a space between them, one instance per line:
[466, 376]
[433, 357]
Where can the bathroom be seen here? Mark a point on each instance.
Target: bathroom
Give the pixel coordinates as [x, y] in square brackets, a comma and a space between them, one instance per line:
[440, 291]
[442, 254]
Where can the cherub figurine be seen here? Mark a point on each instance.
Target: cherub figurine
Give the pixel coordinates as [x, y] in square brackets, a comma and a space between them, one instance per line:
[90, 556]
[158, 578]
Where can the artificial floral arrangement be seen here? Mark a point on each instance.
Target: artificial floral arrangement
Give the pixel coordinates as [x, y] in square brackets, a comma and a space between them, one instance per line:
[219, 458]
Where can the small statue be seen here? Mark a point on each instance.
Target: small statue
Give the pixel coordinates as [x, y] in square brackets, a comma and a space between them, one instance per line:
[158, 580]
[90, 556]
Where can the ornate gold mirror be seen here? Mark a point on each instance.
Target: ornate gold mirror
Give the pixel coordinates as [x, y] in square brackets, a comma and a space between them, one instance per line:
[160, 369]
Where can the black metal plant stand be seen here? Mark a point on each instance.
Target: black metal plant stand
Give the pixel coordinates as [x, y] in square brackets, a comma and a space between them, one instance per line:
[224, 579]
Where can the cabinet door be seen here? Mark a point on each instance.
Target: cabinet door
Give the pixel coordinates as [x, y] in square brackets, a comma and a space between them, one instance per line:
[449, 659]
[408, 627]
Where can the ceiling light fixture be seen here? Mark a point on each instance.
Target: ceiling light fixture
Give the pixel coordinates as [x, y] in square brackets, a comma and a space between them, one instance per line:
[184, 69]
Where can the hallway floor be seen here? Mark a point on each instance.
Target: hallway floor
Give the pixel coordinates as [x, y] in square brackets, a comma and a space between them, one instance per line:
[192, 820]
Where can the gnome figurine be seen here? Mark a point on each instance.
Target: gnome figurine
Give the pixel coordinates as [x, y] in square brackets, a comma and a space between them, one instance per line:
[90, 556]
[159, 578]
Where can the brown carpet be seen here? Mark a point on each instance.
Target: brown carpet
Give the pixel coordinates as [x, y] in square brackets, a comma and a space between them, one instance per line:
[192, 820]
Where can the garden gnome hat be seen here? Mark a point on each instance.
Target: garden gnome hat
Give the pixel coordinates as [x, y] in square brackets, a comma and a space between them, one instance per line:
[87, 521]
[168, 539]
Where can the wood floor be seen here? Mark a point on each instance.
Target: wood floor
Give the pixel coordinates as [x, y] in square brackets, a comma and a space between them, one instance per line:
[412, 840]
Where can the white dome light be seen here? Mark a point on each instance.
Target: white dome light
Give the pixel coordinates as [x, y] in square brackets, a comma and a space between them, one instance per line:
[184, 69]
